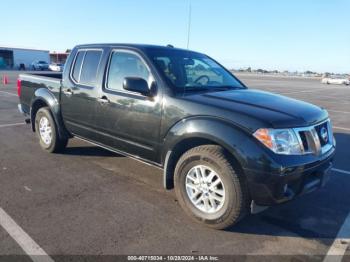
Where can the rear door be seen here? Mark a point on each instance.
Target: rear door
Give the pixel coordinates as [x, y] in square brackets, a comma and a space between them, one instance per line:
[129, 121]
[80, 91]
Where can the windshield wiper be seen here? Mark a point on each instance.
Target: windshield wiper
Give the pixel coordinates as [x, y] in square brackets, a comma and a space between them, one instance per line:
[223, 88]
[227, 87]
[196, 88]
[209, 88]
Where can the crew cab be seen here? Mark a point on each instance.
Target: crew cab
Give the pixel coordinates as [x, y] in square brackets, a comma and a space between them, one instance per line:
[226, 150]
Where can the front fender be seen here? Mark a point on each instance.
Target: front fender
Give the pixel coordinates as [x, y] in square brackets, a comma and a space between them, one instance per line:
[198, 129]
[248, 152]
[216, 130]
[43, 95]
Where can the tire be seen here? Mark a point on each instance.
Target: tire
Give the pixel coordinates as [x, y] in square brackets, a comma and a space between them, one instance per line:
[48, 139]
[219, 215]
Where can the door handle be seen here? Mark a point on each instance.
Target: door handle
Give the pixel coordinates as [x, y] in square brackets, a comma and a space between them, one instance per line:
[68, 92]
[103, 100]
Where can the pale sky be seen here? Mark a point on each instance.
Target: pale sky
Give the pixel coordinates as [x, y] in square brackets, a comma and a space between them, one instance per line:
[271, 34]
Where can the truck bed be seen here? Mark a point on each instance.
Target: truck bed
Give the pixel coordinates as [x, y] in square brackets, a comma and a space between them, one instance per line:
[57, 75]
[31, 83]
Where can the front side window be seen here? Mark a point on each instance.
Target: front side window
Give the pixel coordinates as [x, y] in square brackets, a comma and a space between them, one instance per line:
[190, 71]
[125, 64]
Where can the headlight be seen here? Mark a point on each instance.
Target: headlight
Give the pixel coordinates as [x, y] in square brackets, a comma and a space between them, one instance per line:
[280, 141]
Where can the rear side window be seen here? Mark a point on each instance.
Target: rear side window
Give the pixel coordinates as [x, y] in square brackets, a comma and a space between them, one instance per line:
[77, 65]
[86, 66]
[89, 69]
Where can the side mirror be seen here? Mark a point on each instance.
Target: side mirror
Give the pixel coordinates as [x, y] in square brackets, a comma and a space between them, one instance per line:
[136, 84]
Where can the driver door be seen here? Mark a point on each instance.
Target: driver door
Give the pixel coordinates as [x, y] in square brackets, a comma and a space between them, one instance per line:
[128, 121]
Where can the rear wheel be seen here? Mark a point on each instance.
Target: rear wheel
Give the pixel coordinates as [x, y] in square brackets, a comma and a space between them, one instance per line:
[47, 132]
[209, 188]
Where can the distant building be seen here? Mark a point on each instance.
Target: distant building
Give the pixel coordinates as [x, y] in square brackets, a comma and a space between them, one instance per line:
[58, 58]
[17, 57]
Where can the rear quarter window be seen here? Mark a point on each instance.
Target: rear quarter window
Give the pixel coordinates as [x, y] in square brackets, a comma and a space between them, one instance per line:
[77, 65]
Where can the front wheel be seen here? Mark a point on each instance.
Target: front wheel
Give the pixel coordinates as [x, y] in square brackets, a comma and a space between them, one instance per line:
[47, 132]
[209, 188]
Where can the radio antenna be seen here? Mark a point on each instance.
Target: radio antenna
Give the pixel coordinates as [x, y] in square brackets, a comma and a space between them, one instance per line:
[189, 24]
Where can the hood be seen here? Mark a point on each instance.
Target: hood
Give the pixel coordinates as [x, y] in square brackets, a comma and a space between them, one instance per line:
[270, 110]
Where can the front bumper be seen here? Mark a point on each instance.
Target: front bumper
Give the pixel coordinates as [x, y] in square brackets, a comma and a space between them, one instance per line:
[268, 189]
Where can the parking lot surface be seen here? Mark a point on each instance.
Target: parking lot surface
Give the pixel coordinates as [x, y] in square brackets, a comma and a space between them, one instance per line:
[88, 201]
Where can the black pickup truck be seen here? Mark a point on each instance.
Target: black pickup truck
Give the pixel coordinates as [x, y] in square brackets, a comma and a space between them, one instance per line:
[226, 149]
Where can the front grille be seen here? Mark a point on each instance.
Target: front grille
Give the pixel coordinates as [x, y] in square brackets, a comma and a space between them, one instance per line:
[316, 139]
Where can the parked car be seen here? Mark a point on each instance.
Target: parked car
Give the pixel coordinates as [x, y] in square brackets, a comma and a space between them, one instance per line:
[226, 149]
[336, 80]
[40, 65]
[56, 67]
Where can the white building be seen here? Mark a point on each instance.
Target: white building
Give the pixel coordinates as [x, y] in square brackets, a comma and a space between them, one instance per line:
[13, 57]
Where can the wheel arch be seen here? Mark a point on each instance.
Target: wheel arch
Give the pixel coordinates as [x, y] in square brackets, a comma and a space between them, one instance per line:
[195, 132]
[44, 98]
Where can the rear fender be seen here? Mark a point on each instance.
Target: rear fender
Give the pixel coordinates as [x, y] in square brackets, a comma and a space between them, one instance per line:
[43, 97]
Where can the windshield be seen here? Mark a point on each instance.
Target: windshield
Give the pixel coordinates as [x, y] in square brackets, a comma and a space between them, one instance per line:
[190, 71]
[42, 62]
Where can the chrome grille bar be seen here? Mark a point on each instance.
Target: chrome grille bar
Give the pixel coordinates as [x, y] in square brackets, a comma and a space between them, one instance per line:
[313, 143]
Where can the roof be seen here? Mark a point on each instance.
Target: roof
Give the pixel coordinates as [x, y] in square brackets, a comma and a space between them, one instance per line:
[136, 46]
